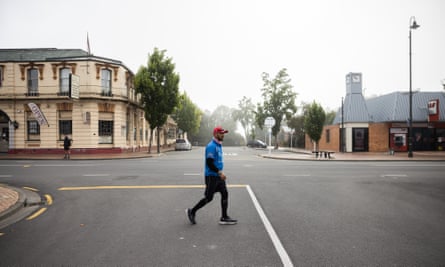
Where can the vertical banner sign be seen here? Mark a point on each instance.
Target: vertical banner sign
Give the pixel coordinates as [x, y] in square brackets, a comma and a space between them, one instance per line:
[38, 114]
[433, 110]
[74, 86]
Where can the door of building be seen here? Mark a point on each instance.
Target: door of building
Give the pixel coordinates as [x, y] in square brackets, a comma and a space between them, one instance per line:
[360, 140]
[4, 132]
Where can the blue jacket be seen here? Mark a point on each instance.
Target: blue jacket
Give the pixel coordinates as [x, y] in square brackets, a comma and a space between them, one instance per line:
[214, 151]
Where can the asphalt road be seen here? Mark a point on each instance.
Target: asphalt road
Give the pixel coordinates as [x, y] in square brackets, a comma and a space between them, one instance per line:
[131, 213]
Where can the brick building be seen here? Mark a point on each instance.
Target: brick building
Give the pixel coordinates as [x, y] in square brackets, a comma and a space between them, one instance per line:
[381, 123]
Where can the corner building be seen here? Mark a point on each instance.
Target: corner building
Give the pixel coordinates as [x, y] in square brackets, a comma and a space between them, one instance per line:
[381, 124]
[102, 112]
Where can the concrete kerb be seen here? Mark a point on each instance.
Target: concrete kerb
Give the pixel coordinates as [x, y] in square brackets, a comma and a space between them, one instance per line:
[19, 204]
[28, 202]
[80, 156]
[304, 155]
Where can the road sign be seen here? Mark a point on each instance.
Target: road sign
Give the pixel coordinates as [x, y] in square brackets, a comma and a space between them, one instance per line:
[269, 122]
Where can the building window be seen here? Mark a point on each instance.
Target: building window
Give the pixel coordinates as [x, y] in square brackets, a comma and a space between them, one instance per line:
[33, 130]
[1, 76]
[106, 127]
[106, 82]
[65, 128]
[64, 81]
[105, 132]
[65, 124]
[33, 82]
[328, 136]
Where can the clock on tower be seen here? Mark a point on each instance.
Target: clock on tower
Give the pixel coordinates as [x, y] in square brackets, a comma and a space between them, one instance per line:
[356, 78]
[354, 83]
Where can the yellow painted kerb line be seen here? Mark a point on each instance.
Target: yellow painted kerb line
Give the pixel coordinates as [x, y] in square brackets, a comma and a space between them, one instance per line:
[101, 187]
[35, 215]
[49, 201]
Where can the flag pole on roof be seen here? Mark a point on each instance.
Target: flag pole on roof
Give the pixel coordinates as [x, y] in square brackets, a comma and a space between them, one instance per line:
[88, 45]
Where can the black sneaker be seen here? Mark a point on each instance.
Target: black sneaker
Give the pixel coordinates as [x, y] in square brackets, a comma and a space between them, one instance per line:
[191, 216]
[227, 220]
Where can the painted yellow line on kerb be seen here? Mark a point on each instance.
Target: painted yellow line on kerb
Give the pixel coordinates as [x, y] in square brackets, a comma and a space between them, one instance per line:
[49, 199]
[35, 215]
[30, 189]
[100, 187]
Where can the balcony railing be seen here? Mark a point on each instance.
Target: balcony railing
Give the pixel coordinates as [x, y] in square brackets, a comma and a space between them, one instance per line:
[63, 93]
[32, 93]
[106, 93]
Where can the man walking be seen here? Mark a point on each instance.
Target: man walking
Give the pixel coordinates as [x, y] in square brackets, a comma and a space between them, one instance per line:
[215, 179]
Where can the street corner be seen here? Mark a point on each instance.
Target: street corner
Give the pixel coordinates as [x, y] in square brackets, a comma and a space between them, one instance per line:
[8, 200]
[17, 204]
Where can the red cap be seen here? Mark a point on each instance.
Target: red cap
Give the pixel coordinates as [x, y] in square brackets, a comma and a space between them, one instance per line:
[219, 129]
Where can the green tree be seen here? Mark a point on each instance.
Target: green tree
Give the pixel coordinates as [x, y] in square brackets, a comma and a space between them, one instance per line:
[296, 124]
[245, 115]
[187, 115]
[158, 84]
[330, 117]
[314, 120]
[278, 101]
[222, 116]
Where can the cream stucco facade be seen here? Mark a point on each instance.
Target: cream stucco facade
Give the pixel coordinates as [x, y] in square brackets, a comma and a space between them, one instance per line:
[106, 117]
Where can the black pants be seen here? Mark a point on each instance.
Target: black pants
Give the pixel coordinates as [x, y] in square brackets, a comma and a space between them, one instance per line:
[214, 184]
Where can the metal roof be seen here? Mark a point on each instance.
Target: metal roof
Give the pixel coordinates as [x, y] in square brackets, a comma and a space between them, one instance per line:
[393, 107]
[38, 54]
[48, 54]
[355, 109]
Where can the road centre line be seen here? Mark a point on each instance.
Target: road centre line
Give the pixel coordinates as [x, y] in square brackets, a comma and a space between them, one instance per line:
[27, 165]
[96, 175]
[100, 187]
[285, 259]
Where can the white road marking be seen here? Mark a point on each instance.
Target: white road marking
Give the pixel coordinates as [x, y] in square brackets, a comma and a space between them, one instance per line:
[297, 175]
[192, 174]
[63, 165]
[273, 236]
[47, 165]
[96, 175]
[285, 259]
[5, 175]
[393, 175]
[410, 165]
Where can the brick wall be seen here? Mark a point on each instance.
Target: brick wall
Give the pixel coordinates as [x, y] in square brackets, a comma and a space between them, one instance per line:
[332, 144]
[379, 137]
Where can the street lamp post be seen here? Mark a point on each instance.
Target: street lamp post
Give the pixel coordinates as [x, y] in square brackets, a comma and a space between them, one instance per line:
[342, 140]
[412, 26]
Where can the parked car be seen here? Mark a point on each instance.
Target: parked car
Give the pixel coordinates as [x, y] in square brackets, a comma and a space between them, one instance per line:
[256, 143]
[183, 144]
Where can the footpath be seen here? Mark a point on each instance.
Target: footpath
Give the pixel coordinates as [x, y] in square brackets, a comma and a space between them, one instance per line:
[14, 199]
